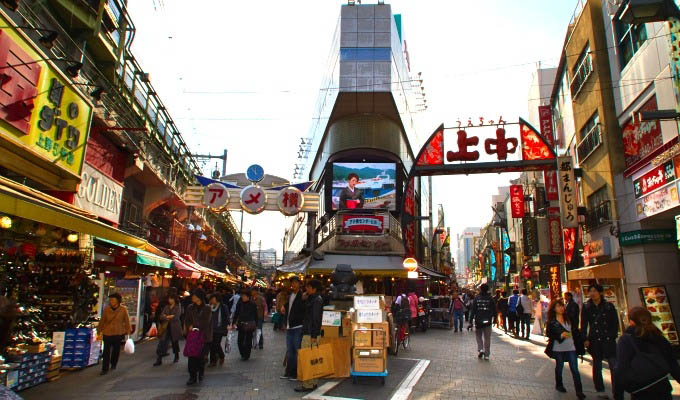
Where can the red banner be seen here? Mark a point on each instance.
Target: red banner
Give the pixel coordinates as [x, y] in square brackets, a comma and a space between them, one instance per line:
[569, 244]
[517, 201]
[551, 190]
[545, 116]
[363, 223]
[555, 282]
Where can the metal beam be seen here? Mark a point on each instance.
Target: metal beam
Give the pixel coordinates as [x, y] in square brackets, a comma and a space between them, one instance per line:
[485, 167]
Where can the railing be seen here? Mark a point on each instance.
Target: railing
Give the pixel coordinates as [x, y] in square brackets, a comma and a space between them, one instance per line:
[581, 75]
[598, 216]
[334, 226]
[589, 143]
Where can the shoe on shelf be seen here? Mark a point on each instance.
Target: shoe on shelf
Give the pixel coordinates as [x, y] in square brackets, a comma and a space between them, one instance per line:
[481, 354]
[561, 388]
[303, 389]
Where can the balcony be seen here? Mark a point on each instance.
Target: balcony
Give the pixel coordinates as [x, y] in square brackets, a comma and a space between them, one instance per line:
[589, 144]
[362, 231]
[598, 216]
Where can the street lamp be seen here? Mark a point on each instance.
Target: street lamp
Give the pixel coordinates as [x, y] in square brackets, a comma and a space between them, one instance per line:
[642, 11]
[659, 115]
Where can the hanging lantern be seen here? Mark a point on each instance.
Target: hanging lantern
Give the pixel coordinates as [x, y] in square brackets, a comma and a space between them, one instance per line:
[5, 222]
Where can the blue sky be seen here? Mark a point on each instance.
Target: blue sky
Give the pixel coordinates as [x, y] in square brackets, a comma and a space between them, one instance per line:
[245, 76]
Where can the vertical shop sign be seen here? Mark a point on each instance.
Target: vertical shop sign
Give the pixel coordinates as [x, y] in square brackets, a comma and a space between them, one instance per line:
[567, 192]
[517, 201]
[545, 117]
[569, 244]
[555, 233]
[530, 236]
[551, 186]
[555, 282]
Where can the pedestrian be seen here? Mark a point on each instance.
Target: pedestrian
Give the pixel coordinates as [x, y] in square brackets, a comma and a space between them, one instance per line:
[643, 338]
[172, 332]
[220, 327]
[502, 308]
[573, 311]
[513, 320]
[113, 326]
[311, 325]
[496, 300]
[281, 301]
[458, 309]
[245, 320]
[524, 309]
[234, 303]
[467, 300]
[198, 317]
[561, 346]
[413, 306]
[483, 313]
[261, 304]
[599, 327]
[294, 314]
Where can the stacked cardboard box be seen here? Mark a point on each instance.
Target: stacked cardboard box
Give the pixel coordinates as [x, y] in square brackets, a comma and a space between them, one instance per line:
[369, 334]
[54, 368]
[31, 369]
[78, 348]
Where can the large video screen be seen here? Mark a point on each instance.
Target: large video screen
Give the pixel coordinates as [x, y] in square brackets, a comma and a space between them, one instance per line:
[364, 185]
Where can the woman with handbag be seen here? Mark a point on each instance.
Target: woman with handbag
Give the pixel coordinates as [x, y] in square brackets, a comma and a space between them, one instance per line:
[245, 320]
[170, 329]
[198, 325]
[113, 326]
[562, 347]
[644, 360]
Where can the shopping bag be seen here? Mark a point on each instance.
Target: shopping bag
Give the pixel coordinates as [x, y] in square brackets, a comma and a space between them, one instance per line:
[129, 347]
[193, 346]
[227, 344]
[536, 329]
[153, 331]
[315, 362]
[256, 338]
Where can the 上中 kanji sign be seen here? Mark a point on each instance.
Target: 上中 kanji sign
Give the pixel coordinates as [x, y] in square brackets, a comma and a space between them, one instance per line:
[568, 194]
[216, 195]
[290, 201]
[253, 199]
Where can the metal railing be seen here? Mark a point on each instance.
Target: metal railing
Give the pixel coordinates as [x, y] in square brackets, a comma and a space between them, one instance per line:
[589, 143]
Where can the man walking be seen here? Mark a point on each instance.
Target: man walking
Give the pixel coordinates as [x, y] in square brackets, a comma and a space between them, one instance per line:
[525, 316]
[261, 304]
[502, 308]
[496, 299]
[600, 327]
[458, 309]
[513, 321]
[220, 322]
[311, 326]
[483, 313]
[294, 312]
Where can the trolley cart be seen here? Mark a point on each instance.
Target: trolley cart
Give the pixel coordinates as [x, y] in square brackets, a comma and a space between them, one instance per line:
[355, 374]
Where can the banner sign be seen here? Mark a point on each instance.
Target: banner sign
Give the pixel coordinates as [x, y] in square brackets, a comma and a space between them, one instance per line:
[551, 186]
[641, 138]
[517, 201]
[545, 117]
[555, 233]
[654, 179]
[647, 236]
[555, 282]
[658, 201]
[372, 223]
[99, 194]
[530, 236]
[568, 194]
[569, 244]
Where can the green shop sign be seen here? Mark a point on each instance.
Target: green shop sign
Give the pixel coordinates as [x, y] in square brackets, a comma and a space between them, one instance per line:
[647, 236]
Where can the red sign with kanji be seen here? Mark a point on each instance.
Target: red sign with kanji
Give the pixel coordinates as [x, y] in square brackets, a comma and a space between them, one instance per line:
[290, 201]
[545, 118]
[551, 186]
[517, 201]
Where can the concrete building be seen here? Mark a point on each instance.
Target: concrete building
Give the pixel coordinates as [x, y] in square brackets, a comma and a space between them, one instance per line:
[465, 249]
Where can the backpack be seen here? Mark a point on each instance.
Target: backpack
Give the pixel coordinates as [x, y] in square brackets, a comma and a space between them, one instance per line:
[484, 311]
[519, 308]
[646, 369]
[458, 304]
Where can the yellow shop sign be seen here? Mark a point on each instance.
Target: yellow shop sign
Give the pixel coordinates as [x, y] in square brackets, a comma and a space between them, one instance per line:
[42, 113]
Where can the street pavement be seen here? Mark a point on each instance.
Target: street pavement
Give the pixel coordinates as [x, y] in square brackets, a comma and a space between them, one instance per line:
[517, 370]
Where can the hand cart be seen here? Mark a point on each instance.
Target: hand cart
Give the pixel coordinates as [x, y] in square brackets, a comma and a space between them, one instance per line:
[355, 374]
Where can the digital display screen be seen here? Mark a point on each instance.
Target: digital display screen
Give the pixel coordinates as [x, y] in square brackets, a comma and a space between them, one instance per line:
[364, 186]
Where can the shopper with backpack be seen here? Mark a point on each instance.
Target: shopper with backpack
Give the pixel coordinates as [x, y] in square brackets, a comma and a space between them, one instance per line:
[513, 320]
[458, 309]
[524, 310]
[483, 314]
[644, 360]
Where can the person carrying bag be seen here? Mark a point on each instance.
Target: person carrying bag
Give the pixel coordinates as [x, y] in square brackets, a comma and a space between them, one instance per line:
[245, 320]
[198, 325]
[113, 327]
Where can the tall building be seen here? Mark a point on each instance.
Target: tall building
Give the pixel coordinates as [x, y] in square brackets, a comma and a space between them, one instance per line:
[466, 249]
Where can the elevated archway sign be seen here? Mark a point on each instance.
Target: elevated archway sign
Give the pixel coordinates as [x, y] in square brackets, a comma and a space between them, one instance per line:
[486, 147]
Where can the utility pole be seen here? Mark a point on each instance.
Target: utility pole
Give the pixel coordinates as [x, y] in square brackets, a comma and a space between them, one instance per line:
[259, 252]
[223, 157]
[250, 238]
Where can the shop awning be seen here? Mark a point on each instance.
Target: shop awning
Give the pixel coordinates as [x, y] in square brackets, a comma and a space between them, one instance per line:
[612, 270]
[31, 204]
[295, 266]
[367, 265]
[431, 273]
[144, 257]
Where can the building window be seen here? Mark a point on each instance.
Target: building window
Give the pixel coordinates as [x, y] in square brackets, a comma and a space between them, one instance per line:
[365, 54]
[591, 138]
[598, 209]
[582, 70]
[630, 39]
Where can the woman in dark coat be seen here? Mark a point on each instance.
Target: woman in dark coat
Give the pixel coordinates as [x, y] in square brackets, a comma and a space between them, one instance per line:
[170, 317]
[198, 316]
[642, 336]
[245, 318]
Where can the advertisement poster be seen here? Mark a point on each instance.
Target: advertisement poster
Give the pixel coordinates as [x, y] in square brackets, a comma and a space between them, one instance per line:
[373, 187]
[129, 291]
[655, 299]
[641, 138]
[658, 201]
[609, 294]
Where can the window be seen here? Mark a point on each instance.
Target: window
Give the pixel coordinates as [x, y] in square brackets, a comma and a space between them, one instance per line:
[630, 39]
[582, 70]
[365, 54]
[598, 197]
[591, 138]
[598, 209]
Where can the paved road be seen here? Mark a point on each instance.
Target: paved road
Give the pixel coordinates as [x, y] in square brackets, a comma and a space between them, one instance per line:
[517, 370]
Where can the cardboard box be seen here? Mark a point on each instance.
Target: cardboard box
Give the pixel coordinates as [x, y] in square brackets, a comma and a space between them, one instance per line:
[368, 360]
[36, 348]
[330, 331]
[346, 326]
[361, 339]
[381, 338]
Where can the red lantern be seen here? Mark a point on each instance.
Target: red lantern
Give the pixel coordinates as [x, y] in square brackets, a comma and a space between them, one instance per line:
[526, 272]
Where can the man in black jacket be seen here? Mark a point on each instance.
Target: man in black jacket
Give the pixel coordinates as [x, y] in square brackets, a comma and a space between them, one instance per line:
[599, 328]
[220, 322]
[572, 309]
[294, 311]
[483, 313]
[311, 326]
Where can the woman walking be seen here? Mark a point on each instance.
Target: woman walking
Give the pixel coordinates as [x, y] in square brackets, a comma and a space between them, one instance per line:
[245, 320]
[114, 325]
[170, 318]
[198, 325]
[644, 377]
[562, 347]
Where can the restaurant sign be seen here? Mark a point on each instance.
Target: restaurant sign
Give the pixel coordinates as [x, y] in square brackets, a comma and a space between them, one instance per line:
[41, 111]
[646, 236]
[568, 194]
[99, 194]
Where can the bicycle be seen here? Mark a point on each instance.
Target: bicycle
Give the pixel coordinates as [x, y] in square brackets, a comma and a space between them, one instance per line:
[401, 337]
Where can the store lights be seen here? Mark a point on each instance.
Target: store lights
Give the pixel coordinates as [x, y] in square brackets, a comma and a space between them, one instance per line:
[72, 237]
[5, 222]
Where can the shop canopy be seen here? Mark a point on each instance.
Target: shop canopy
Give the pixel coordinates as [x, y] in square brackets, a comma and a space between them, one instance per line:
[295, 266]
[184, 269]
[612, 270]
[142, 256]
[367, 265]
[24, 202]
[429, 272]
